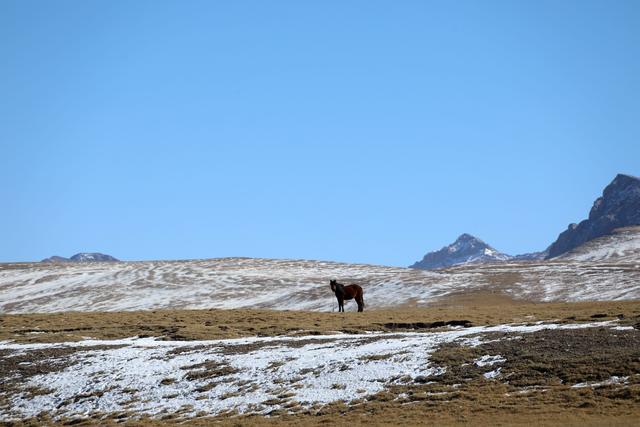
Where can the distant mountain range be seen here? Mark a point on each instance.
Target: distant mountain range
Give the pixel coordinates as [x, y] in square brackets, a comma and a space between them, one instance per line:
[82, 257]
[618, 207]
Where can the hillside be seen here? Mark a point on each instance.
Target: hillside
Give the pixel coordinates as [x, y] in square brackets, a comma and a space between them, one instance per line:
[589, 274]
[622, 245]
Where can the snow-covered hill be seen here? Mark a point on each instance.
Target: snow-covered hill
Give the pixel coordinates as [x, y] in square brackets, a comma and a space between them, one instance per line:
[594, 274]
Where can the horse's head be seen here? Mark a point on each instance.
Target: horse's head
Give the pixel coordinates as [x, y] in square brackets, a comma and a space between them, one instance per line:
[333, 284]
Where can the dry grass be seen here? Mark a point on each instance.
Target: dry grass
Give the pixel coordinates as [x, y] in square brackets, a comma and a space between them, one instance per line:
[535, 387]
[477, 309]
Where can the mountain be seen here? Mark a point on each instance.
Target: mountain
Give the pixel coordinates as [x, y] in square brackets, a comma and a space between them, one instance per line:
[465, 250]
[56, 258]
[618, 207]
[531, 256]
[621, 246]
[82, 257]
[92, 257]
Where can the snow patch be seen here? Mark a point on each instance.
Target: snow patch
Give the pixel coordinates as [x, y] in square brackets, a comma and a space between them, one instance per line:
[489, 360]
[613, 380]
[492, 374]
[248, 375]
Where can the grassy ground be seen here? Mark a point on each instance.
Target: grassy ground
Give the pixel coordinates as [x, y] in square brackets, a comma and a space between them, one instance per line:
[477, 309]
[535, 386]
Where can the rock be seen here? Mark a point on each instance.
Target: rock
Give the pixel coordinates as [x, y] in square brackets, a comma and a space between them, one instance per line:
[618, 207]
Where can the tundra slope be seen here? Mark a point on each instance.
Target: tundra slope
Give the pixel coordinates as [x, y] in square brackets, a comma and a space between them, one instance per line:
[145, 376]
[607, 268]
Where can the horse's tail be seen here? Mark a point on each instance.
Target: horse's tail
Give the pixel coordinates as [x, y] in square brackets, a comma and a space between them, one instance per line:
[362, 298]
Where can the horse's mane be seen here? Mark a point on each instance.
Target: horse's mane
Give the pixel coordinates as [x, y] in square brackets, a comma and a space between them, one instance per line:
[338, 286]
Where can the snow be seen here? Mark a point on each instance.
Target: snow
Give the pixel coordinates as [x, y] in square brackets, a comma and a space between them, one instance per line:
[613, 380]
[295, 284]
[492, 374]
[152, 377]
[489, 360]
[624, 245]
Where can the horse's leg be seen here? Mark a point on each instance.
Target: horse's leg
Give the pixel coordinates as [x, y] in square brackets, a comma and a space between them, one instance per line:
[360, 301]
[341, 304]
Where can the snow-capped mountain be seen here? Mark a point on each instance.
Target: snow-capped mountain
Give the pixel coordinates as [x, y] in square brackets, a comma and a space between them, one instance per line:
[92, 257]
[618, 207]
[83, 257]
[466, 249]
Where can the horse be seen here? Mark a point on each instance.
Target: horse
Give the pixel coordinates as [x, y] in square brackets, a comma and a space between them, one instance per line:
[346, 293]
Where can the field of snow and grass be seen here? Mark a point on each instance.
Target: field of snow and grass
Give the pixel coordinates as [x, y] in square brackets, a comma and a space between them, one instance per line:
[299, 285]
[145, 376]
[80, 359]
[604, 269]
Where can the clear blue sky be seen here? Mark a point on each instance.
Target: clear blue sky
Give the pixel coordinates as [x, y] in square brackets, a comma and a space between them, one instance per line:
[341, 130]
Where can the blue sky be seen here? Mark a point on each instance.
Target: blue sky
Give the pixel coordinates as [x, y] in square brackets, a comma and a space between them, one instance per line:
[350, 130]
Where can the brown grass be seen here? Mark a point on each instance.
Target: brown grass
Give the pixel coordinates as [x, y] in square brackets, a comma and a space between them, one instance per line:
[535, 387]
[477, 308]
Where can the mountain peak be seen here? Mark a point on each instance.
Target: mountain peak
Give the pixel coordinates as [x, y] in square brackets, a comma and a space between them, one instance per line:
[624, 176]
[467, 237]
[467, 243]
[466, 249]
[619, 206]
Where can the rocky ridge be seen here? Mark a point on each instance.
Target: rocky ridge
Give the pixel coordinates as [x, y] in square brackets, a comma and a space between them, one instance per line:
[82, 257]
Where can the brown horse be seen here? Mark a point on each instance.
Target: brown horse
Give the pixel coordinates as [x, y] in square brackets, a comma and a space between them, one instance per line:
[346, 293]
